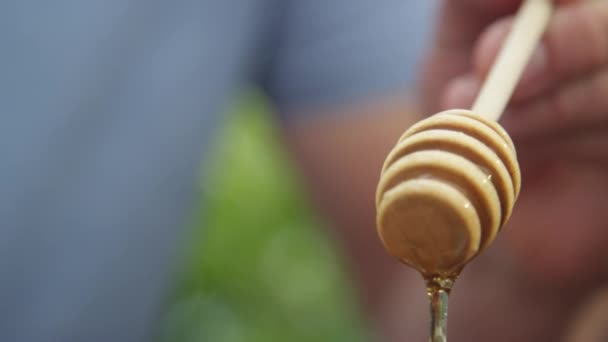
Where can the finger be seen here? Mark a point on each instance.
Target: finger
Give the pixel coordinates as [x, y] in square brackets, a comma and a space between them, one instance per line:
[491, 42]
[460, 22]
[578, 104]
[576, 42]
[460, 92]
[492, 7]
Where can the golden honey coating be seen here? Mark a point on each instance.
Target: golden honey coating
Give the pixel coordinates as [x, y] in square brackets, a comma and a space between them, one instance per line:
[446, 189]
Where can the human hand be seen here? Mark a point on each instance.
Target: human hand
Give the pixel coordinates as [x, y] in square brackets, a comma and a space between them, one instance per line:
[558, 119]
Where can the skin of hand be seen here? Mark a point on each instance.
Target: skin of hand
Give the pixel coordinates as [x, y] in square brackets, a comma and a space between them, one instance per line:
[339, 155]
[551, 257]
[559, 121]
[530, 285]
[551, 221]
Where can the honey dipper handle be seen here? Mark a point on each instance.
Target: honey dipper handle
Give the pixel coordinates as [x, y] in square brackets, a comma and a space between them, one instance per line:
[528, 28]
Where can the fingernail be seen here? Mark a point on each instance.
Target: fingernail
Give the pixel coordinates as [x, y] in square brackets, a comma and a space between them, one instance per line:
[536, 67]
[461, 92]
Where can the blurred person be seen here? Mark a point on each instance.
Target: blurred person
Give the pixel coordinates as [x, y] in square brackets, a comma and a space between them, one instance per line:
[110, 105]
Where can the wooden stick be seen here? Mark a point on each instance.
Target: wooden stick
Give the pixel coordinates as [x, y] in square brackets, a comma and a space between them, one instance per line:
[528, 28]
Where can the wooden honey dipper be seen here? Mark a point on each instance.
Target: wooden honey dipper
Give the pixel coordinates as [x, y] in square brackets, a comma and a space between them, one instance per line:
[450, 183]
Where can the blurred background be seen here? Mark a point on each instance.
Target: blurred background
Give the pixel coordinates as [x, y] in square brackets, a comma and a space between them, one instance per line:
[259, 266]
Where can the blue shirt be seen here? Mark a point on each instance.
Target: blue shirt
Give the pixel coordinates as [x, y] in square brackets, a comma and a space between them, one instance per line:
[107, 107]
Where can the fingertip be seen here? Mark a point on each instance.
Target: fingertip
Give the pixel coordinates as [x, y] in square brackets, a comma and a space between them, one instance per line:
[489, 45]
[461, 92]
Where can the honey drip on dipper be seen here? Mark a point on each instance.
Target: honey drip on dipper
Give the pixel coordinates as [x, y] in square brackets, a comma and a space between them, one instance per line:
[450, 183]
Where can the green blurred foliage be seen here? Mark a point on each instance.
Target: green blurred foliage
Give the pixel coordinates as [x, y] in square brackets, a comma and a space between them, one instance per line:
[260, 266]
